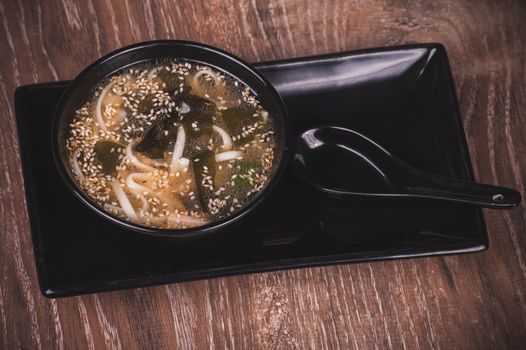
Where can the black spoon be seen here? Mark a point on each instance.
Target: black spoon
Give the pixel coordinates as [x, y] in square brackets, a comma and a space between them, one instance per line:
[343, 162]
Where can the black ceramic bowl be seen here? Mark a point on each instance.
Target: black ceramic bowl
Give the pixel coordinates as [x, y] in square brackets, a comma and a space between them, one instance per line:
[81, 87]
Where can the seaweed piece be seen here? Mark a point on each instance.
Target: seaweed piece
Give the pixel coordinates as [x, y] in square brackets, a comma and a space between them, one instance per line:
[191, 104]
[157, 140]
[197, 116]
[238, 119]
[146, 105]
[108, 159]
[173, 82]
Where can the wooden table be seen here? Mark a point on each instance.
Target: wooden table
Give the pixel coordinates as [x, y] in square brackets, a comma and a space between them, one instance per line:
[469, 302]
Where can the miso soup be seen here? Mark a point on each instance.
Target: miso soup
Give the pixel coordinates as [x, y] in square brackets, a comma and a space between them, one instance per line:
[172, 144]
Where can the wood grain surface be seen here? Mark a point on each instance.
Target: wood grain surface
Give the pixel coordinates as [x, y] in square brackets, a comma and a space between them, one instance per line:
[471, 301]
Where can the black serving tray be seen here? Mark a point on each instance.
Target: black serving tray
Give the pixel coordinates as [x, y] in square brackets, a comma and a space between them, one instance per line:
[401, 97]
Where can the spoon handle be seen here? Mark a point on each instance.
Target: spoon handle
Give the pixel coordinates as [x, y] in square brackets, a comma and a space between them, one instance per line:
[488, 196]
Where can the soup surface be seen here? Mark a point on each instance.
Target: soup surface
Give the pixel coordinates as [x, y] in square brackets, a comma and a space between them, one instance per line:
[173, 144]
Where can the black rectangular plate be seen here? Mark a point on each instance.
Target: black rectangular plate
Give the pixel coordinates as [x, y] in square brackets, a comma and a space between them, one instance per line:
[401, 97]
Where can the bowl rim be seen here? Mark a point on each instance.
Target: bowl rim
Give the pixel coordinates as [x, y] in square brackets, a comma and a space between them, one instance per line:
[184, 233]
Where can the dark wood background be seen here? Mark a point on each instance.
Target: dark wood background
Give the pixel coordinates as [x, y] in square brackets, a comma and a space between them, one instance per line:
[467, 302]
